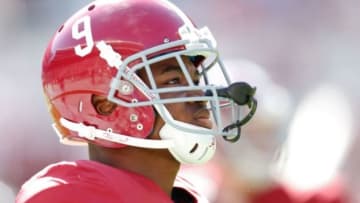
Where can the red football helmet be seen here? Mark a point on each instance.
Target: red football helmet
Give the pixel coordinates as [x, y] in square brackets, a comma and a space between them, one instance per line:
[99, 50]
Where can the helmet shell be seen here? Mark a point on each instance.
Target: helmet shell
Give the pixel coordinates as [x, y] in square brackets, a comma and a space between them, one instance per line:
[73, 71]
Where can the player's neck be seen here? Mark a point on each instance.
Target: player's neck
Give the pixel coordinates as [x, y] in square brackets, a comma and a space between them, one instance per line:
[157, 165]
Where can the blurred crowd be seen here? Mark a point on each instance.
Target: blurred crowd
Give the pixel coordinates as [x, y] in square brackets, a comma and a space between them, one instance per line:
[301, 146]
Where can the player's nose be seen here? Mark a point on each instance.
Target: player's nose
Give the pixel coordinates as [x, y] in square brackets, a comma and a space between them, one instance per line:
[197, 93]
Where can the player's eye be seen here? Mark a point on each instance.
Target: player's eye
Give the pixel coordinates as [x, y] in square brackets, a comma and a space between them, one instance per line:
[173, 81]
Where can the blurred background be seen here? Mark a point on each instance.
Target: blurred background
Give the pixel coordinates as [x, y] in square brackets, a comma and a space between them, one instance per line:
[303, 57]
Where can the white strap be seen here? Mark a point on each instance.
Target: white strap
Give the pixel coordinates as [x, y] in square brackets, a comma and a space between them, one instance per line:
[91, 133]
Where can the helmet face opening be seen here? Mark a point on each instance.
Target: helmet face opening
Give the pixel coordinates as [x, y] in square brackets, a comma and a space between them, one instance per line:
[210, 73]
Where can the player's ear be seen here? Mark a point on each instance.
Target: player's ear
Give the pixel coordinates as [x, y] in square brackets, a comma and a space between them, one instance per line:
[102, 105]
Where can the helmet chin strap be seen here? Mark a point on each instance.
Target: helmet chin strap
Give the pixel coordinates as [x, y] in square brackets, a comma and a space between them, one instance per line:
[188, 148]
[92, 133]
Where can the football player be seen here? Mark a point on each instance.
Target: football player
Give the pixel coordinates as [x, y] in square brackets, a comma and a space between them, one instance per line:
[130, 79]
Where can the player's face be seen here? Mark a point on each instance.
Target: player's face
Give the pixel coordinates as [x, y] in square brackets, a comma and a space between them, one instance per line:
[168, 73]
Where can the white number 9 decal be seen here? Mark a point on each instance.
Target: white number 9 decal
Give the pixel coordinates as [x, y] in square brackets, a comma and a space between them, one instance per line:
[85, 32]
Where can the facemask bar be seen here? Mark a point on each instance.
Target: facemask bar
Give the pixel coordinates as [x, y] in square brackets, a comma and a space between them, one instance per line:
[204, 71]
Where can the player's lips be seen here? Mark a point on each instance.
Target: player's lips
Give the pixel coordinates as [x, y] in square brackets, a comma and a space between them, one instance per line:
[202, 118]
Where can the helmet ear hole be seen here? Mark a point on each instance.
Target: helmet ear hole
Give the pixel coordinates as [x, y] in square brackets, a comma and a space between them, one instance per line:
[102, 105]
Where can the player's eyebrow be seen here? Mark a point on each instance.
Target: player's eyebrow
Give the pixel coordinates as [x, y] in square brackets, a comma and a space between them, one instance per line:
[169, 68]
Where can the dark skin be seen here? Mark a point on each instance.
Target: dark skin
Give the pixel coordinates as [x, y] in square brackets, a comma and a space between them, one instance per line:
[156, 164]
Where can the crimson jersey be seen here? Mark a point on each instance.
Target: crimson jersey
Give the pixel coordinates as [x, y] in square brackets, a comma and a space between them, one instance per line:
[93, 182]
